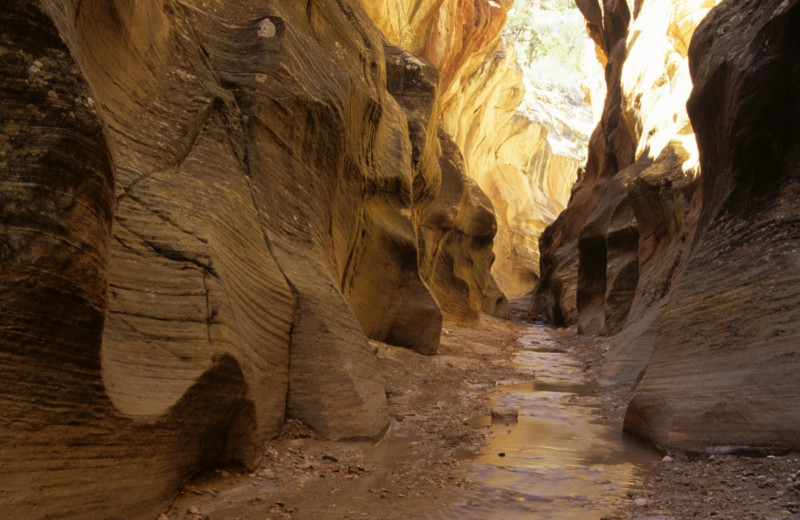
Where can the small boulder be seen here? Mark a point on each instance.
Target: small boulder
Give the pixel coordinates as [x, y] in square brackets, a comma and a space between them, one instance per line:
[505, 414]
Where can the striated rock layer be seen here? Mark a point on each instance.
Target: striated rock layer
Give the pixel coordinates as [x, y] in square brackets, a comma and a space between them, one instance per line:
[506, 154]
[454, 220]
[207, 209]
[691, 266]
[644, 134]
[724, 370]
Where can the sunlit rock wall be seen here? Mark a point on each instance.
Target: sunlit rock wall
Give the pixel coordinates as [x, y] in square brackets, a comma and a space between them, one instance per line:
[724, 370]
[643, 131]
[504, 153]
[686, 249]
[206, 210]
[509, 157]
[454, 220]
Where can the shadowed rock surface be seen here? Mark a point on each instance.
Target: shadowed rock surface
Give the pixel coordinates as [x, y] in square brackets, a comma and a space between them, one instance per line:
[644, 135]
[724, 367]
[206, 211]
[454, 220]
[691, 266]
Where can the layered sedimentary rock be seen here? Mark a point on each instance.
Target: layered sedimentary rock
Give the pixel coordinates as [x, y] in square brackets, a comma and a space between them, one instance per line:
[206, 210]
[724, 369]
[611, 148]
[643, 130]
[510, 158]
[454, 220]
[693, 267]
[504, 153]
[456, 233]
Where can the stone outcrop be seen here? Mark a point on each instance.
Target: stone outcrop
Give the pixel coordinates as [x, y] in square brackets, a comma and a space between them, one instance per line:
[642, 133]
[690, 265]
[509, 157]
[724, 369]
[454, 220]
[456, 232]
[661, 200]
[206, 212]
[611, 149]
[506, 154]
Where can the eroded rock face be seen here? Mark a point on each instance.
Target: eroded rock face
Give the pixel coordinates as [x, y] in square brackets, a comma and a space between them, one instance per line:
[611, 149]
[509, 157]
[506, 154]
[661, 198]
[455, 221]
[723, 371]
[456, 232]
[695, 273]
[205, 211]
[644, 128]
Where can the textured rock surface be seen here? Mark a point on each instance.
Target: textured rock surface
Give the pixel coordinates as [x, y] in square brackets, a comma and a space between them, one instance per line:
[454, 220]
[509, 157]
[644, 128]
[696, 274]
[611, 149]
[724, 366]
[205, 208]
[661, 199]
[456, 232]
[504, 153]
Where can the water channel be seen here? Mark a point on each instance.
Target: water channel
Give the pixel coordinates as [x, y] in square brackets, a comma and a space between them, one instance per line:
[559, 461]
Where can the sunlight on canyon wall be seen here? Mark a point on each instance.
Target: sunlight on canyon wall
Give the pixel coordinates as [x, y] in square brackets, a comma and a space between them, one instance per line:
[481, 88]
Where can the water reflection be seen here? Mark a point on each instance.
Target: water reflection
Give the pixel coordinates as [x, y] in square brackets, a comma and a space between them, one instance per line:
[558, 461]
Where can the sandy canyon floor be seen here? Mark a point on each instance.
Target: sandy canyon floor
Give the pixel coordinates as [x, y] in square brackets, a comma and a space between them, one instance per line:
[563, 457]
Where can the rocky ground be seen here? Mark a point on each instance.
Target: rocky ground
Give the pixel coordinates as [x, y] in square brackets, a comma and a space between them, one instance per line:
[414, 470]
[681, 487]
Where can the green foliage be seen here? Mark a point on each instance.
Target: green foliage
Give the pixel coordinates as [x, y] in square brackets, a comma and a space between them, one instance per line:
[549, 38]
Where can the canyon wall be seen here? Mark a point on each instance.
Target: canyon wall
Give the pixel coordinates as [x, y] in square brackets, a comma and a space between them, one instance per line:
[724, 370]
[670, 240]
[595, 253]
[207, 210]
[504, 153]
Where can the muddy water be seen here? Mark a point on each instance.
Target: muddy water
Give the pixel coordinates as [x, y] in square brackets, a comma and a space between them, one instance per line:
[559, 461]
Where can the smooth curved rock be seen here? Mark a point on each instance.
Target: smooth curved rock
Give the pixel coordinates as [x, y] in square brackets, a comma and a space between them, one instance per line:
[724, 367]
[661, 199]
[611, 149]
[643, 116]
[204, 211]
[454, 221]
[456, 236]
[507, 155]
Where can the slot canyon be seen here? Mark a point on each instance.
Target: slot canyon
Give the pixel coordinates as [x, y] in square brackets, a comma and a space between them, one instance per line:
[351, 259]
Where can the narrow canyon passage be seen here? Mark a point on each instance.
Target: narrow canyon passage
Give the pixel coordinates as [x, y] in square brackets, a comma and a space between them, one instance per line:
[392, 259]
[553, 450]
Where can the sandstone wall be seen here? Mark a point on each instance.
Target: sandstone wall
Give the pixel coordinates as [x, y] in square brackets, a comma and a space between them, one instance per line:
[724, 368]
[643, 130]
[206, 211]
[675, 256]
[504, 153]
[454, 221]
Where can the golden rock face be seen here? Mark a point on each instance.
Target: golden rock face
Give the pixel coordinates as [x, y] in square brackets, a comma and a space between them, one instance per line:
[507, 155]
[209, 210]
[644, 121]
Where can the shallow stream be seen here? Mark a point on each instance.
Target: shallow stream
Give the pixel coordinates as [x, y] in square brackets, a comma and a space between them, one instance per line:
[559, 461]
